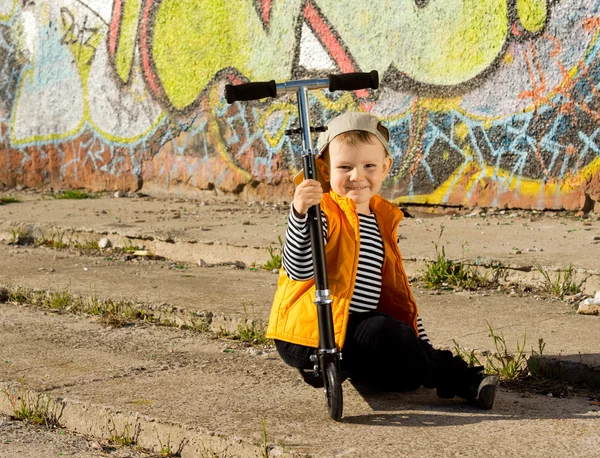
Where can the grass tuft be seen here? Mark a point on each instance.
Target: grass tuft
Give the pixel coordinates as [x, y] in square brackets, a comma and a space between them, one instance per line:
[126, 438]
[276, 257]
[8, 200]
[74, 194]
[504, 363]
[21, 236]
[563, 285]
[33, 408]
[444, 272]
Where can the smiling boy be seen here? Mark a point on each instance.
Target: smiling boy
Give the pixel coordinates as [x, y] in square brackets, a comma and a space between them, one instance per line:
[375, 317]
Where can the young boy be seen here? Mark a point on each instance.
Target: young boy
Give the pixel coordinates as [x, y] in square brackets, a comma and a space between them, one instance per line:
[375, 317]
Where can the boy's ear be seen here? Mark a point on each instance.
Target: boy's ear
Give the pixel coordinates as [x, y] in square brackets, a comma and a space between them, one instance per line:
[323, 169]
[387, 165]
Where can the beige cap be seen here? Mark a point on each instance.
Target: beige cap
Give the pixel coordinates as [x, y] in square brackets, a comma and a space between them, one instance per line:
[352, 121]
[345, 123]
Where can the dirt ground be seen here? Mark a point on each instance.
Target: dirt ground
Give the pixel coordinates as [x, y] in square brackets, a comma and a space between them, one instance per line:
[25, 440]
[219, 396]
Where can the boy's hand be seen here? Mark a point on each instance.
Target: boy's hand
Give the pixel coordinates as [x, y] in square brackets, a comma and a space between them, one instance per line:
[307, 194]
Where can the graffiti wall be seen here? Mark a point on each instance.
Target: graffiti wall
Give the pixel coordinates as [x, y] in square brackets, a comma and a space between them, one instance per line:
[491, 103]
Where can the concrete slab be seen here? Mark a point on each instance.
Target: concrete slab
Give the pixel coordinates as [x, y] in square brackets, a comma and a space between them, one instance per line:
[206, 392]
[217, 230]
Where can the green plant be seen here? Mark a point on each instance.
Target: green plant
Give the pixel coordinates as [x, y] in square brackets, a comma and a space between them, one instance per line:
[125, 438]
[131, 248]
[276, 256]
[265, 446]
[540, 368]
[166, 450]
[74, 194]
[444, 272]
[251, 331]
[467, 355]
[33, 408]
[563, 285]
[89, 244]
[21, 236]
[504, 363]
[59, 300]
[8, 200]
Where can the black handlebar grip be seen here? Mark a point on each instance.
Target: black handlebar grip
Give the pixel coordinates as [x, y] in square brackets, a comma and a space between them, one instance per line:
[354, 81]
[250, 91]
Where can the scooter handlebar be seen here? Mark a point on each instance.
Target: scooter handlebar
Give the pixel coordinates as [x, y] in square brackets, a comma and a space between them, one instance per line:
[250, 91]
[339, 82]
[354, 81]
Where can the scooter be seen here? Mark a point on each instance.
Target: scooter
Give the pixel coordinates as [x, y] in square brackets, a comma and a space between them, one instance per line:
[327, 358]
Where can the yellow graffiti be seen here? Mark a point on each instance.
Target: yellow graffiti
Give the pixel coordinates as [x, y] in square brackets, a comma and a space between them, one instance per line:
[127, 39]
[193, 40]
[526, 187]
[286, 109]
[532, 14]
[83, 49]
[439, 104]
[443, 43]
[7, 16]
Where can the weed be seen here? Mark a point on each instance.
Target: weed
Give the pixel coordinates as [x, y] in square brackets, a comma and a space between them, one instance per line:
[540, 368]
[53, 239]
[276, 256]
[125, 438]
[57, 244]
[444, 272]
[467, 355]
[59, 300]
[90, 244]
[131, 248]
[265, 447]
[202, 325]
[563, 285]
[502, 362]
[253, 332]
[74, 194]
[165, 449]
[8, 200]
[33, 408]
[21, 236]
[17, 295]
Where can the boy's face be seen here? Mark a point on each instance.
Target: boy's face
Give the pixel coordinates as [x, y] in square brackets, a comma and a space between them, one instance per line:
[356, 171]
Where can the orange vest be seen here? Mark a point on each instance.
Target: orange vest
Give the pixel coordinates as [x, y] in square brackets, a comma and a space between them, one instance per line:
[294, 314]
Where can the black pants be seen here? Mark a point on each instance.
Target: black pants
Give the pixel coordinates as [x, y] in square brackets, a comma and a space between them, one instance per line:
[387, 354]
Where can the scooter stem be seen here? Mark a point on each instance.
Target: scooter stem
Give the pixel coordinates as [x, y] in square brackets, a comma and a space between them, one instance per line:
[322, 295]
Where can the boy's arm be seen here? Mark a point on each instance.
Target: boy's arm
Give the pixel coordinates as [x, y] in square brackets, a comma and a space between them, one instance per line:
[422, 334]
[297, 254]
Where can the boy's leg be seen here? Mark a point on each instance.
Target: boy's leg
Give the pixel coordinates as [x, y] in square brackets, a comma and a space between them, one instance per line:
[298, 356]
[388, 354]
[294, 355]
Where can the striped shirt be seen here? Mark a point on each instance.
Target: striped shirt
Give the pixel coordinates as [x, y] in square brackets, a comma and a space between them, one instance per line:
[298, 265]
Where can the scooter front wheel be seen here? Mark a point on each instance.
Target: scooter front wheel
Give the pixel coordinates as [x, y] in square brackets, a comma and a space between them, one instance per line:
[333, 390]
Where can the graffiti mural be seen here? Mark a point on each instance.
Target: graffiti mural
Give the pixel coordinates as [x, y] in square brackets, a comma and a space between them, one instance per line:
[492, 103]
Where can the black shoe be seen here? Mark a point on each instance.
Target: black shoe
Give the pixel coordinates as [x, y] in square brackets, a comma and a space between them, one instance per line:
[478, 387]
[486, 392]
